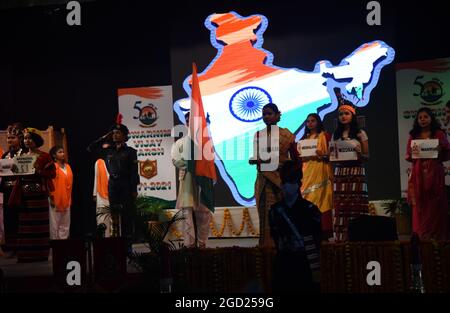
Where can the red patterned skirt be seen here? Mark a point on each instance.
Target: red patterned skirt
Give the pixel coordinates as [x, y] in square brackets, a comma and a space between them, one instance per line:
[350, 196]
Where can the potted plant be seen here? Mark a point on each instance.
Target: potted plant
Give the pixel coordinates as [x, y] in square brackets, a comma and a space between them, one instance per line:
[148, 211]
[156, 224]
[151, 208]
[111, 212]
[156, 263]
[401, 210]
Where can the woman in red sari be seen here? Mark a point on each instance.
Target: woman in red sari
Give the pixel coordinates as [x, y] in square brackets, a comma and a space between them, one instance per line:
[31, 195]
[426, 186]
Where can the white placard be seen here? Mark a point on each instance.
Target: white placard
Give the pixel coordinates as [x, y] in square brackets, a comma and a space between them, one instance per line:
[307, 147]
[343, 150]
[20, 165]
[426, 148]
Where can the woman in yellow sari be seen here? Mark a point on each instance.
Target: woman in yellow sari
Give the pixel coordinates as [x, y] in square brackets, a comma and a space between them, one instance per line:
[267, 148]
[317, 185]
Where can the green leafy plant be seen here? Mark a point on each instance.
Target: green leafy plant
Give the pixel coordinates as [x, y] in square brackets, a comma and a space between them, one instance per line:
[397, 207]
[157, 231]
[112, 212]
[109, 210]
[401, 211]
[151, 208]
[155, 234]
[155, 224]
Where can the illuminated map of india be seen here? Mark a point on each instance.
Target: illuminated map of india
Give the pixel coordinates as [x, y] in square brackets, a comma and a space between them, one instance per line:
[242, 78]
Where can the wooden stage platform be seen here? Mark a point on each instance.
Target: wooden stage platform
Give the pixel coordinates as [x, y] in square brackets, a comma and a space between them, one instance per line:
[249, 269]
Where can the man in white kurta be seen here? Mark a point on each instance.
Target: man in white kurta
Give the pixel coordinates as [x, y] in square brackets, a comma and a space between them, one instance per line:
[188, 197]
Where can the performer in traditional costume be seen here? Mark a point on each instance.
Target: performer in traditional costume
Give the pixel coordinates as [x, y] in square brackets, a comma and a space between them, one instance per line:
[30, 194]
[426, 184]
[350, 187]
[14, 139]
[317, 183]
[268, 182]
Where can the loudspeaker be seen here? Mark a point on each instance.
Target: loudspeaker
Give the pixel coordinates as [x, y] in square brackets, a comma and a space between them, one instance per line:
[69, 263]
[110, 263]
[372, 228]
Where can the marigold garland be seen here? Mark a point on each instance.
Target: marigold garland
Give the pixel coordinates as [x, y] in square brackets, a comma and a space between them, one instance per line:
[372, 209]
[173, 229]
[228, 222]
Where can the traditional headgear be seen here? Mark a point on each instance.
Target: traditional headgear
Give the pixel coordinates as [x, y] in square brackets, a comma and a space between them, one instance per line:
[344, 104]
[119, 126]
[15, 129]
[36, 135]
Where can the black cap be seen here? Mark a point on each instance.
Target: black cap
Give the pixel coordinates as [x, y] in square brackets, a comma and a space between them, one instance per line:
[120, 127]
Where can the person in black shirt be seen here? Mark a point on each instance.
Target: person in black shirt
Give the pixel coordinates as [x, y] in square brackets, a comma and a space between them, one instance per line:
[296, 230]
[122, 165]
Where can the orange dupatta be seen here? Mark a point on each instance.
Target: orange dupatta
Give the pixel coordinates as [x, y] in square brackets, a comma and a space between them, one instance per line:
[102, 179]
[62, 195]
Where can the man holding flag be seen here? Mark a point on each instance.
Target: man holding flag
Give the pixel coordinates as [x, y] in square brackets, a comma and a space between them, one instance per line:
[193, 155]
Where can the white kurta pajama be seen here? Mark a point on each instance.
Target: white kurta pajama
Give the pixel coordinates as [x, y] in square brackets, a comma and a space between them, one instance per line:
[188, 198]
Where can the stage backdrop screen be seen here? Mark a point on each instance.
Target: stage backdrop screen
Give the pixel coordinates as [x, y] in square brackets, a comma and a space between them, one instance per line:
[420, 84]
[242, 78]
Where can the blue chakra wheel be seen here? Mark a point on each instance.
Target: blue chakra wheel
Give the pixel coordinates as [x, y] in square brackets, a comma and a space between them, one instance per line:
[246, 104]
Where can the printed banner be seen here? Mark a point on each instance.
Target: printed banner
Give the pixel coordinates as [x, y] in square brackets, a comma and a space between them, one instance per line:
[420, 84]
[307, 147]
[148, 113]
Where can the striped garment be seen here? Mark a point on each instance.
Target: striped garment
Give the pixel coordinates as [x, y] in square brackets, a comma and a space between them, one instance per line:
[350, 196]
[34, 230]
[298, 229]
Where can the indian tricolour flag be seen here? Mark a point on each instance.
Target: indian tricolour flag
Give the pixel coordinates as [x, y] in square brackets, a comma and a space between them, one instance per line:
[201, 163]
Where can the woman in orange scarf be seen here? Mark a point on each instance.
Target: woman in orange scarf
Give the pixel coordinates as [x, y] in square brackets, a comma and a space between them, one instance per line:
[61, 197]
